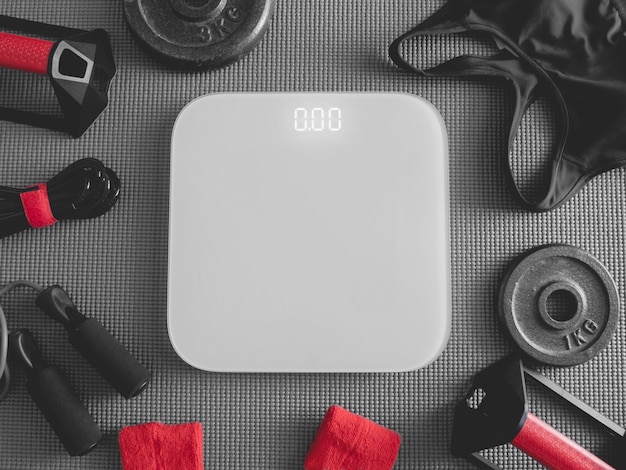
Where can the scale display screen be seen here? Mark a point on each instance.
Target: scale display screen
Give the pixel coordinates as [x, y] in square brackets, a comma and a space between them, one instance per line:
[308, 233]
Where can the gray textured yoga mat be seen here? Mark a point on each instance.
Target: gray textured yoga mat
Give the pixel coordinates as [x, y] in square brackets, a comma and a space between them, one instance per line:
[115, 267]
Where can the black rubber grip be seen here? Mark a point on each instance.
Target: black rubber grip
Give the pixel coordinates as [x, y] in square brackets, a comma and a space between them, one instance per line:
[66, 414]
[110, 358]
[95, 343]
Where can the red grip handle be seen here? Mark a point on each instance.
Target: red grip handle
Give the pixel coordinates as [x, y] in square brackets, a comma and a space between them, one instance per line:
[24, 53]
[553, 450]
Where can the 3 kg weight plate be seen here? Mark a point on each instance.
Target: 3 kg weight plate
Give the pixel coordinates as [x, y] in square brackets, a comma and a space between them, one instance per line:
[559, 305]
[199, 34]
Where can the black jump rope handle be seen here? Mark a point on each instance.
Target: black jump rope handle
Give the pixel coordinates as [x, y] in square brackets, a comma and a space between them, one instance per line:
[66, 414]
[95, 343]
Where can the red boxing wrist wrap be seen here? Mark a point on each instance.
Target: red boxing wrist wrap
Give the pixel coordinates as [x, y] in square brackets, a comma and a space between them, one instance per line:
[346, 441]
[37, 207]
[157, 446]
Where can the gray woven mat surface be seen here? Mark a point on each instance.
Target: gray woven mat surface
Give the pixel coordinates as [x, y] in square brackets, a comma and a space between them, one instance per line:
[115, 267]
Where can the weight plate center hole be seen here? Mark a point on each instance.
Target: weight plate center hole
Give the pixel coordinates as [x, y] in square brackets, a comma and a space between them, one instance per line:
[198, 10]
[561, 305]
[197, 3]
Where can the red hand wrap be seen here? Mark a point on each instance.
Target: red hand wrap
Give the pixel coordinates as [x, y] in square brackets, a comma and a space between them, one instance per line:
[24, 53]
[158, 446]
[553, 450]
[346, 441]
[37, 207]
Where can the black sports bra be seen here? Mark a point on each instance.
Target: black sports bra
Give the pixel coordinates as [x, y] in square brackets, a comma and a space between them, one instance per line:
[573, 49]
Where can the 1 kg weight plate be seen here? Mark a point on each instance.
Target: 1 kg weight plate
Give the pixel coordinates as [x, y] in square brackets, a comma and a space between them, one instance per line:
[559, 305]
[199, 34]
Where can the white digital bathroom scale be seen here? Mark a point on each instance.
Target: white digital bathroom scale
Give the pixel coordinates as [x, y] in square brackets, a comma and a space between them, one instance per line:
[309, 233]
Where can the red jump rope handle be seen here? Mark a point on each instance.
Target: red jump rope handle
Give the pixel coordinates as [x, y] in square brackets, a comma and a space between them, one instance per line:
[553, 450]
[24, 53]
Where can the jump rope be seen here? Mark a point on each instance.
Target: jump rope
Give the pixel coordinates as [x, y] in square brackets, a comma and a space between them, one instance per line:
[46, 384]
[84, 190]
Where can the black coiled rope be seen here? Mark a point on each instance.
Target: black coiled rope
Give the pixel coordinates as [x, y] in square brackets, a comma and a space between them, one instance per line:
[84, 190]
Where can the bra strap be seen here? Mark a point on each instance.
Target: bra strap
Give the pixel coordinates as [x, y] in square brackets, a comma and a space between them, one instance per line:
[447, 20]
[527, 78]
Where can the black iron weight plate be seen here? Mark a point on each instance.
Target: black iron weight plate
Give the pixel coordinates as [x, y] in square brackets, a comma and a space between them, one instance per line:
[198, 34]
[559, 305]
